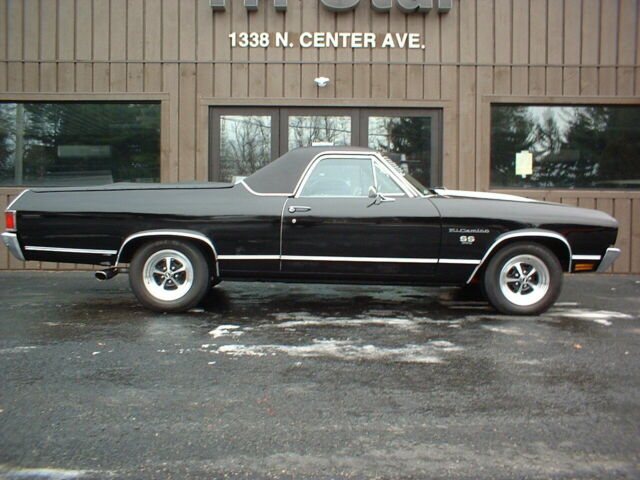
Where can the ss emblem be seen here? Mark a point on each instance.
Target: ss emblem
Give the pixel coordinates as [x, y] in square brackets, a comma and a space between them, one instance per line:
[467, 239]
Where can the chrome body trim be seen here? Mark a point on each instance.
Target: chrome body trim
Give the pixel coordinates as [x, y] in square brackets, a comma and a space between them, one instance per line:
[524, 234]
[305, 258]
[88, 251]
[610, 256]
[586, 257]
[12, 243]
[459, 261]
[312, 258]
[253, 192]
[171, 233]
[248, 257]
[16, 199]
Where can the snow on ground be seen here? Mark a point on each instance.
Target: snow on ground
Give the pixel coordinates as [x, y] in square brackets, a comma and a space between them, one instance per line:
[347, 350]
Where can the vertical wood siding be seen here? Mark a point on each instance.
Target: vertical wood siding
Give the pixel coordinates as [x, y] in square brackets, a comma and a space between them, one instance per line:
[483, 48]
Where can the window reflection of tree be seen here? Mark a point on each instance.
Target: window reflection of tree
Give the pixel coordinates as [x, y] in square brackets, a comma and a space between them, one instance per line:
[245, 144]
[35, 131]
[409, 137]
[573, 146]
[304, 131]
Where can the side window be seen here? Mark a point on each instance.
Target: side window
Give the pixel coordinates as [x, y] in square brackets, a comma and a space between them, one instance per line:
[386, 184]
[339, 177]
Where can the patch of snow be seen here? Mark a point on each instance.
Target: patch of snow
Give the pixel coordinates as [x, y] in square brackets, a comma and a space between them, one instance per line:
[503, 330]
[41, 473]
[226, 331]
[347, 322]
[601, 317]
[348, 350]
[17, 349]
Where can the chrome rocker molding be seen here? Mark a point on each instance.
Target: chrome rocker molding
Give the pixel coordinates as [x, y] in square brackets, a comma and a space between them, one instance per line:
[171, 233]
[11, 241]
[522, 234]
[610, 256]
[87, 251]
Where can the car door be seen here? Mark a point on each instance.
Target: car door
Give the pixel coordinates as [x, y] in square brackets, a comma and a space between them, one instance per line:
[331, 228]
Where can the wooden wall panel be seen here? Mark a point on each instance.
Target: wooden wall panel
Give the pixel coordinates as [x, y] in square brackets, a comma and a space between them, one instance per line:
[537, 48]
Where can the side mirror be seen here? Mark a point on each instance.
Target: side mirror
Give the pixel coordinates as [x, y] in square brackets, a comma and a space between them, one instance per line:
[373, 193]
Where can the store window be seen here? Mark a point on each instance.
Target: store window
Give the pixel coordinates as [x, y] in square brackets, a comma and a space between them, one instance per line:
[245, 144]
[75, 143]
[309, 130]
[244, 139]
[565, 146]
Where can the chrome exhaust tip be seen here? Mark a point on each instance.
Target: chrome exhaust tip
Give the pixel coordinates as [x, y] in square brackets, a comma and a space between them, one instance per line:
[103, 275]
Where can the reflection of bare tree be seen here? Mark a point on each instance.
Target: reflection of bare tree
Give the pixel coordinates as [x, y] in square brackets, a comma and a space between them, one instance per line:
[304, 131]
[573, 146]
[245, 144]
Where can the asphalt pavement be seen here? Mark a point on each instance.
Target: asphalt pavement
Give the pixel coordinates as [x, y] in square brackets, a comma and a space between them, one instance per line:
[316, 382]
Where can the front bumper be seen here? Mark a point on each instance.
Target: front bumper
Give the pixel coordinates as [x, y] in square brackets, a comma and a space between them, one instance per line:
[11, 241]
[609, 257]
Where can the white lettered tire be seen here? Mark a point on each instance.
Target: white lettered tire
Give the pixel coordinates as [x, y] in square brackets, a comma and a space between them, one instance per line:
[523, 279]
[169, 275]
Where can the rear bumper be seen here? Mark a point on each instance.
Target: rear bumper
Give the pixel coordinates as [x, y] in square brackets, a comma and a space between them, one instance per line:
[609, 257]
[11, 241]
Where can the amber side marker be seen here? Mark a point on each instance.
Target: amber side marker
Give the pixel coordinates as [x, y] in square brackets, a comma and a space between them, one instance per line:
[584, 267]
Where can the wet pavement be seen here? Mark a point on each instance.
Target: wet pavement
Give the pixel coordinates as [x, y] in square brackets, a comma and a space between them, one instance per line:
[316, 382]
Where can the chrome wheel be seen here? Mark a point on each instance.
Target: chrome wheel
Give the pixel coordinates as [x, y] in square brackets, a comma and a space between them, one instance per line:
[524, 280]
[168, 275]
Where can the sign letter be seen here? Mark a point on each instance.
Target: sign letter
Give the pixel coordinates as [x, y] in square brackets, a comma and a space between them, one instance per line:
[340, 5]
[281, 5]
[444, 6]
[217, 4]
[251, 4]
[411, 6]
[381, 5]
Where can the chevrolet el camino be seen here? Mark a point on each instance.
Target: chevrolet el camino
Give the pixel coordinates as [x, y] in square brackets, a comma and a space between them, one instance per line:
[318, 214]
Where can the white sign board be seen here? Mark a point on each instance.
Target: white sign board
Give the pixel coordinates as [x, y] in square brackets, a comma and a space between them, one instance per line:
[524, 163]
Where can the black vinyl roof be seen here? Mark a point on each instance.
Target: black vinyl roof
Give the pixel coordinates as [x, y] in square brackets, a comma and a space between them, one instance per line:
[282, 175]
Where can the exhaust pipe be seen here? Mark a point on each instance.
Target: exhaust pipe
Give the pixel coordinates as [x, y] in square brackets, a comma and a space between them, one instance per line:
[107, 274]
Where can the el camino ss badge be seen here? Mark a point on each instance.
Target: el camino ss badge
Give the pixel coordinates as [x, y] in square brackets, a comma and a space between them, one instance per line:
[467, 239]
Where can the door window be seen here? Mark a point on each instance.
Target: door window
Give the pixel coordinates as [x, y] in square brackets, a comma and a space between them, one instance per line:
[339, 177]
[385, 182]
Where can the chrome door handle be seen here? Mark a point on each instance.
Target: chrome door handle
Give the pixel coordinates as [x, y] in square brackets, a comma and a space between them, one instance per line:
[293, 209]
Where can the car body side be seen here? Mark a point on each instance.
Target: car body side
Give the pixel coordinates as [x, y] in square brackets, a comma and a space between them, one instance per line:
[242, 232]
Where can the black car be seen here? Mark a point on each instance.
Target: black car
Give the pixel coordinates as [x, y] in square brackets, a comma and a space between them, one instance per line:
[345, 215]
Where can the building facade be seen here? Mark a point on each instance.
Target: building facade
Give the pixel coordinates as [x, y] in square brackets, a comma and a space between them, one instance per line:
[539, 98]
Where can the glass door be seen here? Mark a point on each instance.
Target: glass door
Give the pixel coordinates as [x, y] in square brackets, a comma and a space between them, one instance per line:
[244, 139]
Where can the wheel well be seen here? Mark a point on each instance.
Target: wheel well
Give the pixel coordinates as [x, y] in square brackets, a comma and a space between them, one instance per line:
[130, 248]
[555, 245]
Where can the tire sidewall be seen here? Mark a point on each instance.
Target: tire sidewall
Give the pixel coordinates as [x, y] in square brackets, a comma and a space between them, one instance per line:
[201, 276]
[491, 279]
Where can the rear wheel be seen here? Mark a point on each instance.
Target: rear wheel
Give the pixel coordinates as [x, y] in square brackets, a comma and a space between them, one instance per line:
[523, 279]
[169, 275]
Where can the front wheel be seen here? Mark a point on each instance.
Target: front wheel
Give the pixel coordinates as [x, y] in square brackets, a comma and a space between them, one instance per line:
[523, 279]
[169, 275]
